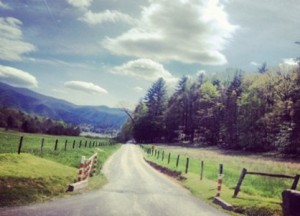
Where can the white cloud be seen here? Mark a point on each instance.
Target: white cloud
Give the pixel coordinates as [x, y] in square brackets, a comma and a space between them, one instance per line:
[16, 77]
[146, 69]
[12, 46]
[189, 31]
[254, 63]
[80, 3]
[106, 16]
[288, 64]
[290, 61]
[138, 89]
[87, 87]
[4, 6]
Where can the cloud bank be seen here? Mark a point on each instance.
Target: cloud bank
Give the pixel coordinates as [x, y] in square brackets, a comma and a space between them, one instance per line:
[16, 77]
[190, 31]
[86, 87]
[12, 46]
[146, 69]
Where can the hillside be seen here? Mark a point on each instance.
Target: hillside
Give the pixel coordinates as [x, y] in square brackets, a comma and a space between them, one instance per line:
[31, 102]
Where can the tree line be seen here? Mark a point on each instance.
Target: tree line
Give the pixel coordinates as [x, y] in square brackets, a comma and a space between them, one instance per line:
[17, 120]
[252, 111]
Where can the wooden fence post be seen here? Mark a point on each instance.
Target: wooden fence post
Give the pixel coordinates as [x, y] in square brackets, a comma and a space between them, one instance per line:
[80, 142]
[187, 165]
[56, 142]
[169, 157]
[20, 145]
[220, 169]
[66, 142]
[42, 144]
[177, 161]
[295, 183]
[201, 171]
[158, 155]
[163, 156]
[239, 184]
[85, 144]
[74, 144]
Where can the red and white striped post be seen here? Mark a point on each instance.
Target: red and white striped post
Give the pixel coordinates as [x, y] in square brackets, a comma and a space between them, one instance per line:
[94, 167]
[219, 187]
[81, 168]
[220, 180]
[87, 169]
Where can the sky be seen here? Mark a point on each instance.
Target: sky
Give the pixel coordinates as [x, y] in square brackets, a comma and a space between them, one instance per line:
[109, 52]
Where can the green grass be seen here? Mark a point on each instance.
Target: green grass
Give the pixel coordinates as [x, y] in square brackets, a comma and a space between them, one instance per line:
[32, 143]
[40, 175]
[26, 178]
[257, 193]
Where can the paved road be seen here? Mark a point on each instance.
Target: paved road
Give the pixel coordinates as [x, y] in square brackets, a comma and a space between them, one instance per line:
[134, 188]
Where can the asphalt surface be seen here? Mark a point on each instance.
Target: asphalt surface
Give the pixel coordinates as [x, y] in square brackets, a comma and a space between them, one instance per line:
[134, 188]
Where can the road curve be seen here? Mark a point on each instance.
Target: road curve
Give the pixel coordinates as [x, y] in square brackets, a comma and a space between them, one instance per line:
[134, 188]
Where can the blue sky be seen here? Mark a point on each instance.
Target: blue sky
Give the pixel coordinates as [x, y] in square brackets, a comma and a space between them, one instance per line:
[109, 52]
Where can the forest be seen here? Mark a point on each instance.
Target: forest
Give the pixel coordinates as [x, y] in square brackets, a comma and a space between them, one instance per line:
[257, 112]
[17, 120]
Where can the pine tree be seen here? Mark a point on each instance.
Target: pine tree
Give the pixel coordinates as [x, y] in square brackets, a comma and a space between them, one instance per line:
[149, 126]
[230, 113]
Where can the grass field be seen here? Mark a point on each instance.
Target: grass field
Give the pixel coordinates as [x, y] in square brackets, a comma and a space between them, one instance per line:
[36, 175]
[34, 143]
[259, 195]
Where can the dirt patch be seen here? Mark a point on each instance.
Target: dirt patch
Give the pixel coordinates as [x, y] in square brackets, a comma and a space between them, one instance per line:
[172, 173]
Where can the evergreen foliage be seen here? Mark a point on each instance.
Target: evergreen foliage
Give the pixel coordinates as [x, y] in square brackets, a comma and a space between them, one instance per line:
[253, 112]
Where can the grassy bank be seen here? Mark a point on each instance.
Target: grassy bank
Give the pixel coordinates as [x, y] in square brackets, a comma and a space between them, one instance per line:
[26, 178]
[259, 195]
[40, 175]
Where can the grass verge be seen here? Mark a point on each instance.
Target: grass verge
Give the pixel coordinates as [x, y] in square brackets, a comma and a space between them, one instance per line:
[42, 175]
[258, 196]
[26, 178]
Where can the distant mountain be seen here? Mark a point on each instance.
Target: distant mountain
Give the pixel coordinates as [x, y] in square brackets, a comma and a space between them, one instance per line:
[31, 102]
